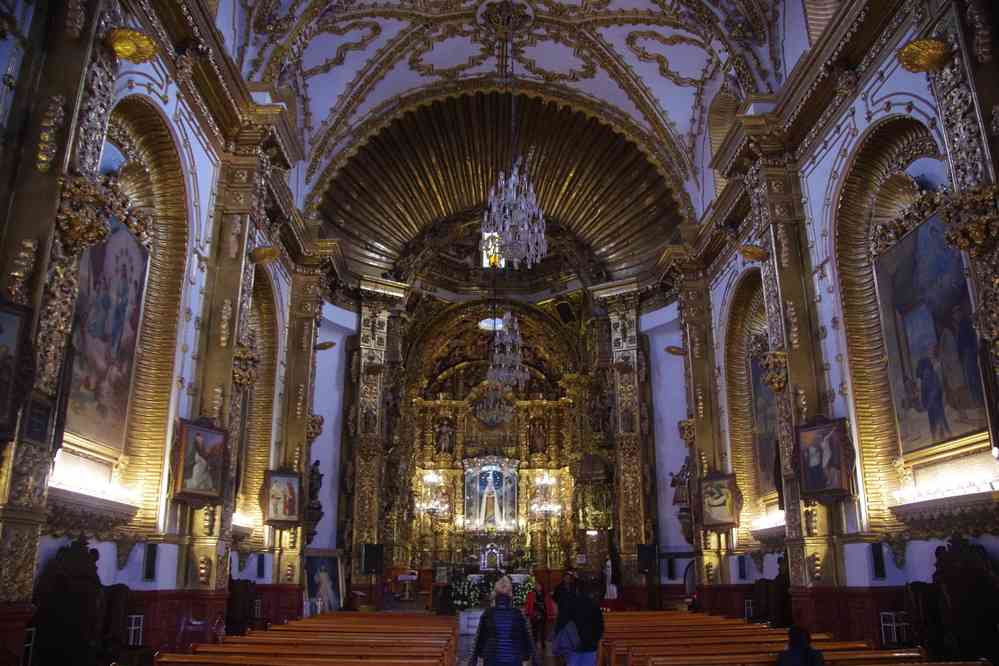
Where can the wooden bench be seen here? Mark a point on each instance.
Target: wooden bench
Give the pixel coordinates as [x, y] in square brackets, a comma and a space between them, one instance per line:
[629, 653]
[234, 660]
[847, 658]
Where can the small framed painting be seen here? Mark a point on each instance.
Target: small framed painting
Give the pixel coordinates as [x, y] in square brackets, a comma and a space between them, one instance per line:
[200, 461]
[283, 492]
[825, 458]
[721, 501]
[15, 359]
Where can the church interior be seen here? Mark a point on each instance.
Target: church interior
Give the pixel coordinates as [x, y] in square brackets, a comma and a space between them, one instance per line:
[317, 318]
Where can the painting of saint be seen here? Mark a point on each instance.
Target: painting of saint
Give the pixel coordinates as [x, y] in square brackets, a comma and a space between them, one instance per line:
[202, 453]
[721, 501]
[824, 450]
[105, 332]
[283, 502]
[932, 346]
[764, 427]
[323, 580]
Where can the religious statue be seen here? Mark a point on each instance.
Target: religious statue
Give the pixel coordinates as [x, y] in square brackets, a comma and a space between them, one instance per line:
[538, 437]
[444, 438]
[490, 510]
[315, 482]
[610, 592]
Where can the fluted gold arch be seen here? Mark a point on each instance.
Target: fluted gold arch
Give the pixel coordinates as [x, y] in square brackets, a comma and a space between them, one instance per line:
[874, 186]
[818, 15]
[153, 179]
[260, 408]
[747, 318]
[721, 118]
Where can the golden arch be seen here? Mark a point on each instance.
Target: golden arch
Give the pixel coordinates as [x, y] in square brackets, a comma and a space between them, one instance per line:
[869, 190]
[721, 118]
[747, 318]
[160, 188]
[255, 449]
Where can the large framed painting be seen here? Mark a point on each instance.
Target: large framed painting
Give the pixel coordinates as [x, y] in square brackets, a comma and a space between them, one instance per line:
[721, 501]
[764, 427]
[825, 458]
[325, 580]
[200, 461]
[932, 347]
[105, 332]
[15, 349]
[282, 497]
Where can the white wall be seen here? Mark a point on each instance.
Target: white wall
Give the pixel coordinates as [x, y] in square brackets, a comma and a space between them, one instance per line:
[669, 405]
[167, 555]
[336, 326]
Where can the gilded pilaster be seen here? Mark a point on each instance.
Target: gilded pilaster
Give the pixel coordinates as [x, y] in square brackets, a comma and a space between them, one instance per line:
[378, 298]
[699, 431]
[41, 252]
[621, 302]
[772, 184]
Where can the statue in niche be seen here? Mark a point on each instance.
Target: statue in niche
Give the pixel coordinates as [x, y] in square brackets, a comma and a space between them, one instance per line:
[315, 482]
[490, 511]
[444, 437]
[538, 436]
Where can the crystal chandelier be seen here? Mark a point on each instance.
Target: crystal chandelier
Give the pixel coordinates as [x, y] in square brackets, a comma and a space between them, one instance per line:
[507, 368]
[513, 219]
[513, 226]
[493, 409]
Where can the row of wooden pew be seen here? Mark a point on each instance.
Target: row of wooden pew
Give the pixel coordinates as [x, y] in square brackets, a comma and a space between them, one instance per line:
[336, 639]
[675, 638]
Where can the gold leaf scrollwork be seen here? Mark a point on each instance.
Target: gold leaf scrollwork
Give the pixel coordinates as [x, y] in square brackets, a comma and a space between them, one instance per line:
[314, 427]
[775, 363]
[245, 365]
[48, 138]
[225, 322]
[633, 41]
[688, 431]
[23, 266]
[17, 563]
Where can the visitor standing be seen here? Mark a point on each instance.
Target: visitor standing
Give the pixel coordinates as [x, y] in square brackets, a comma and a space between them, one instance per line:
[540, 609]
[579, 627]
[503, 637]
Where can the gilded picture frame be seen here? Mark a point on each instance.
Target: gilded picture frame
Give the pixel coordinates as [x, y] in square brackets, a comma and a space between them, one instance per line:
[825, 458]
[932, 352]
[721, 501]
[201, 455]
[282, 499]
[324, 570]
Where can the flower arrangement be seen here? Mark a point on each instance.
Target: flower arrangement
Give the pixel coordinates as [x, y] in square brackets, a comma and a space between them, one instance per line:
[466, 594]
[520, 591]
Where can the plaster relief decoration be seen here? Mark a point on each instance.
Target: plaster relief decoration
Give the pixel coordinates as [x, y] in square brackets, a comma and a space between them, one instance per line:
[930, 338]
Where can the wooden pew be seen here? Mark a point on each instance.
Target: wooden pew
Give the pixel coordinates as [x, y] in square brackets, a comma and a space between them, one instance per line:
[235, 660]
[339, 650]
[846, 658]
[627, 652]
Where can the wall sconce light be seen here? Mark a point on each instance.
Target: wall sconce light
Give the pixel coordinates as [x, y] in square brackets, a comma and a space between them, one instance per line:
[674, 350]
[323, 346]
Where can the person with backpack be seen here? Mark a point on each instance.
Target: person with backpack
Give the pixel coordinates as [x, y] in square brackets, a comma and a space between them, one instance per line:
[799, 650]
[503, 637]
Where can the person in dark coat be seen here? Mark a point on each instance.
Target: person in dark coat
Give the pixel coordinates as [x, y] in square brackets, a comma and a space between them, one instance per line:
[504, 636]
[581, 609]
[799, 650]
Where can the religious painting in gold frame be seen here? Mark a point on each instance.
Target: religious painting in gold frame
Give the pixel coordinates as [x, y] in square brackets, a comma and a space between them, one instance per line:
[200, 460]
[721, 501]
[106, 330]
[825, 458]
[282, 498]
[932, 349]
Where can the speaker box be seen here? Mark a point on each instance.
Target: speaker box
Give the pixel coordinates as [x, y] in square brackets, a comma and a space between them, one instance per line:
[878, 553]
[647, 554]
[372, 555]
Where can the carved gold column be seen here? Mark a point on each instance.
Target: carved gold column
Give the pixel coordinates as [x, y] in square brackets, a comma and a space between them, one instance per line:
[57, 210]
[299, 423]
[378, 298]
[621, 302]
[699, 430]
[777, 220]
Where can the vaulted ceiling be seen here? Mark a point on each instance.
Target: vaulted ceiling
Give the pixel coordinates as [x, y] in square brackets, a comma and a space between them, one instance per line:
[353, 69]
[439, 162]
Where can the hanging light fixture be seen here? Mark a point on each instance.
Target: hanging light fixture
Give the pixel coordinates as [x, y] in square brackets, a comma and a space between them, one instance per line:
[513, 226]
[507, 367]
[493, 408]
